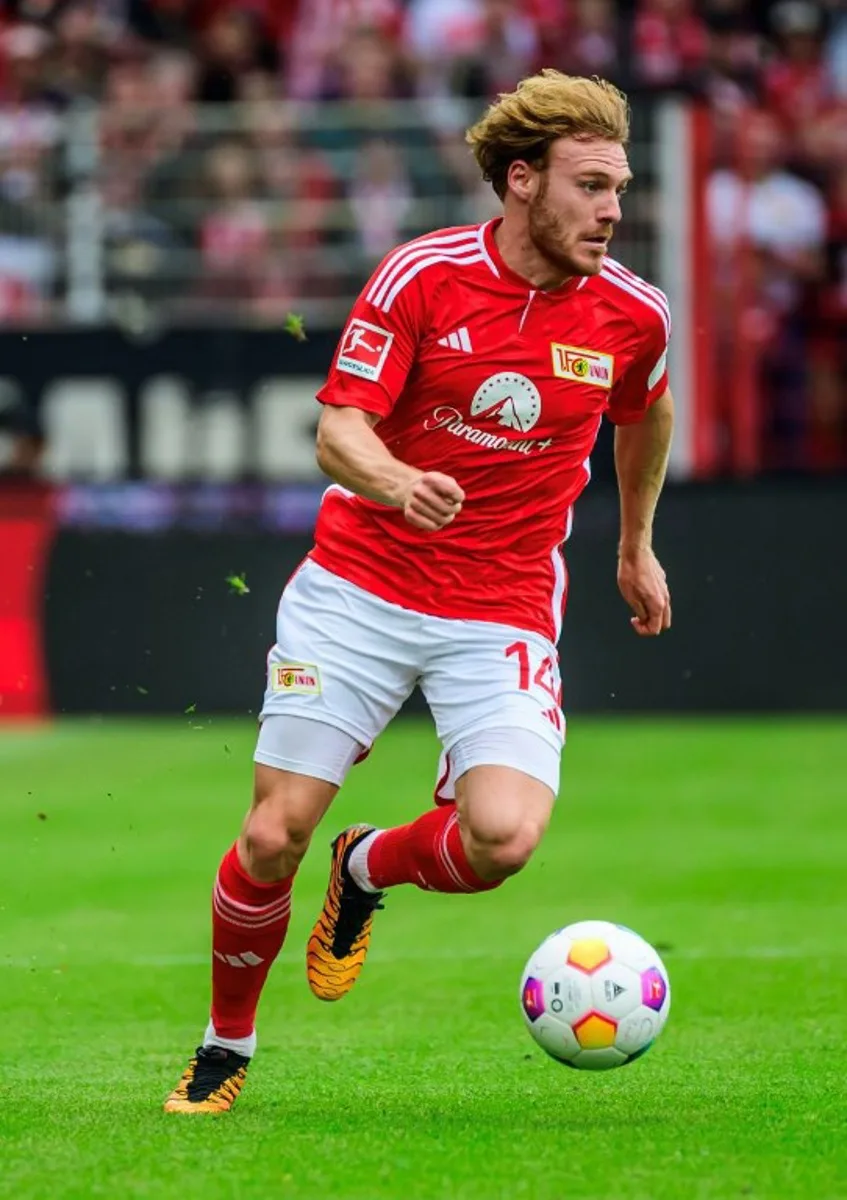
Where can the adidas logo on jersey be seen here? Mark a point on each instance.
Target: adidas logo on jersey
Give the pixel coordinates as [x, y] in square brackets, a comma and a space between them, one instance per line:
[458, 340]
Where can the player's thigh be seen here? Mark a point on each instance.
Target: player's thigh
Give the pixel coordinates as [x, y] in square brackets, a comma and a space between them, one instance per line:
[342, 657]
[480, 678]
[286, 810]
[300, 764]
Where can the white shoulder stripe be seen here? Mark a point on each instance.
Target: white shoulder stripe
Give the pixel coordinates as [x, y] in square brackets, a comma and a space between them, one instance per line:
[613, 263]
[637, 282]
[483, 249]
[395, 260]
[377, 295]
[446, 254]
[626, 286]
[415, 268]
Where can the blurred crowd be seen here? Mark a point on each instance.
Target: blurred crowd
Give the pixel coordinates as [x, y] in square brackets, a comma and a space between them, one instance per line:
[152, 132]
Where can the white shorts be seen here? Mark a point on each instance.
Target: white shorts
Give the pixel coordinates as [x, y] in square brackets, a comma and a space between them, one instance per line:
[348, 659]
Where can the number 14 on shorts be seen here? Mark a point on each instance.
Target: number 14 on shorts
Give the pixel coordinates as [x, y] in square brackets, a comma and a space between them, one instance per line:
[539, 677]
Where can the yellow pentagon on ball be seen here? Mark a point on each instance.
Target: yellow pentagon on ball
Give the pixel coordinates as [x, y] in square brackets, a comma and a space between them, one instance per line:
[595, 1032]
[588, 954]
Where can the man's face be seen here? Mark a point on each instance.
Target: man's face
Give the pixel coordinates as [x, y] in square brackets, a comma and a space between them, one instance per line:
[574, 204]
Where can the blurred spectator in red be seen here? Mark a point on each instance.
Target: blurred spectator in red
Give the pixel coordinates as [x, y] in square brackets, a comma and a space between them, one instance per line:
[768, 229]
[294, 178]
[128, 115]
[80, 59]
[761, 205]
[173, 80]
[474, 47]
[381, 199]
[828, 434]
[437, 31]
[175, 147]
[234, 235]
[366, 68]
[731, 78]
[319, 32]
[822, 143]
[592, 44]
[24, 63]
[300, 190]
[797, 84]
[232, 44]
[670, 43]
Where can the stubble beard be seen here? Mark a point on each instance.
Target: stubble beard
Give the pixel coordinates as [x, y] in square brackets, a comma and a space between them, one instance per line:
[548, 233]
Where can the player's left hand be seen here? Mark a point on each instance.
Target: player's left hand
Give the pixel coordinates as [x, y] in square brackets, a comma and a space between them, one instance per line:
[643, 585]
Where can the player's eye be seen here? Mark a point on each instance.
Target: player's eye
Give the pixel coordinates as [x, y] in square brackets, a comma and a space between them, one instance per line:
[591, 186]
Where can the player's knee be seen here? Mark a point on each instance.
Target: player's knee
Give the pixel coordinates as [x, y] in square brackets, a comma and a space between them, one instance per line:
[505, 853]
[273, 839]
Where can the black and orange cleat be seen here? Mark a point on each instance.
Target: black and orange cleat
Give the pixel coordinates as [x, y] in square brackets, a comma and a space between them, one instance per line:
[211, 1083]
[339, 942]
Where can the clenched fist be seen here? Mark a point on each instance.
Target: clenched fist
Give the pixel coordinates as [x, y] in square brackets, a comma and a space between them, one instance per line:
[432, 501]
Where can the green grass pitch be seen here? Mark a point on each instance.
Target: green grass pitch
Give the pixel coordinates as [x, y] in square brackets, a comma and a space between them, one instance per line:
[723, 841]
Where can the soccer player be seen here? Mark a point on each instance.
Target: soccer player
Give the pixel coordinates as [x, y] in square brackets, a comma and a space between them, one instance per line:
[459, 416]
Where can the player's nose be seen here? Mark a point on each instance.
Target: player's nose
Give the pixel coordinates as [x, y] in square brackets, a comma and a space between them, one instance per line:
[610, 210]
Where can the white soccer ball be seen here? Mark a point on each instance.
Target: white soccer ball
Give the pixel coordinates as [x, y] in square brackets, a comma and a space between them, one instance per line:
[595, 995]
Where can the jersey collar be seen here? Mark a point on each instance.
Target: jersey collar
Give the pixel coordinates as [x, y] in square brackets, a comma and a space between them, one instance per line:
[510, 277]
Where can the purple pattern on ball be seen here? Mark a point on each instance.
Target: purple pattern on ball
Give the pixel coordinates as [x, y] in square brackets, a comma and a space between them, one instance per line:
[653, 989]
[533, 998]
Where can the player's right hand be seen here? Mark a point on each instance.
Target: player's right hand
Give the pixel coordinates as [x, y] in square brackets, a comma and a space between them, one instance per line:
[433, 500]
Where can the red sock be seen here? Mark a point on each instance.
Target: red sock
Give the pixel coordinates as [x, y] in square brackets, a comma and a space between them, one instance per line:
[428, 853]
[249, 924]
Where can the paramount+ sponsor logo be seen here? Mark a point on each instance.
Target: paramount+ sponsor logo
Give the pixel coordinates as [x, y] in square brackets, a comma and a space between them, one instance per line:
[302, 679]
[504, 405]
[583, 366]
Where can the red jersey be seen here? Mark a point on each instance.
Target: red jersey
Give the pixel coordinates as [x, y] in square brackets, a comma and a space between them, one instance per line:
[474, 373]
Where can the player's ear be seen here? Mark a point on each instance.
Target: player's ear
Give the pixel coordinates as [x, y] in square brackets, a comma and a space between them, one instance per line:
[520, 179]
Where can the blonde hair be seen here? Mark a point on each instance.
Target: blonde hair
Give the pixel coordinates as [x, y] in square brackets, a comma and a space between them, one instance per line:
[523, 124]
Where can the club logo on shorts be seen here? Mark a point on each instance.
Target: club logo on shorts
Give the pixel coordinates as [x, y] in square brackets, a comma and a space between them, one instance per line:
[509, 399]
[583, 366]
[364, 349]
[303, 679]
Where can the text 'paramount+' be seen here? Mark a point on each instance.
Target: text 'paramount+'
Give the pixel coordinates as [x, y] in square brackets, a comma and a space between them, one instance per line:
[450, 419]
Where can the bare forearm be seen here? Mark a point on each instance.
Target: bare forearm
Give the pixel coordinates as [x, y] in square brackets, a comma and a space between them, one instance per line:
[353, 455]
[641, 460]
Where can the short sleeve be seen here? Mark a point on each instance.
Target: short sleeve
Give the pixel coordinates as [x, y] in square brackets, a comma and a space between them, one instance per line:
[378, 345]
[646, 377]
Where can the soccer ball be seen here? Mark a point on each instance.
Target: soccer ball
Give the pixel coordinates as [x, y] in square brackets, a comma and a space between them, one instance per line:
[595, 995]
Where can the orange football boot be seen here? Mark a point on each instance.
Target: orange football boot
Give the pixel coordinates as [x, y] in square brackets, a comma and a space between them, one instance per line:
[339, 942]
[211, 1083]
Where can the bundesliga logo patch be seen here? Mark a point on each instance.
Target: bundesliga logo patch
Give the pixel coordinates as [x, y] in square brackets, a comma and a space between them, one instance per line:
[301, 678]
[583, 366]
[364, 349]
